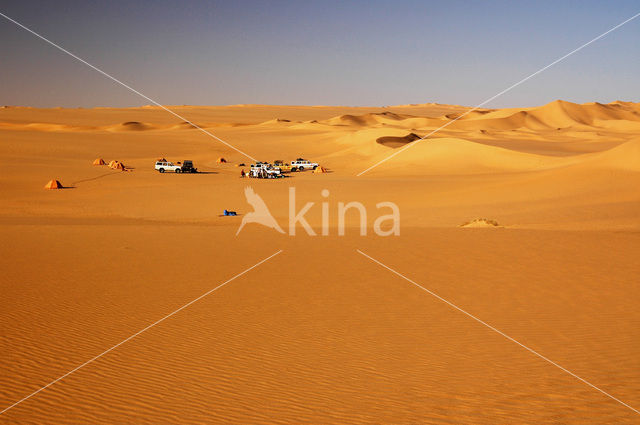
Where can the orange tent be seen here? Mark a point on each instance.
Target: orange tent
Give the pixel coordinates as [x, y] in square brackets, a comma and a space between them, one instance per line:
[54, 184]
[99, 161]
[320, 170]
[221, 160]
[117, 165]
[112, 163]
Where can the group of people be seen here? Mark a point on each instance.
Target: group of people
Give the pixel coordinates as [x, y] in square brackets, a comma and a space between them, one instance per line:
[258, 173]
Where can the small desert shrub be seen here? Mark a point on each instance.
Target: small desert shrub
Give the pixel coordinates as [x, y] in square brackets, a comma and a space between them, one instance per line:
[481, 220]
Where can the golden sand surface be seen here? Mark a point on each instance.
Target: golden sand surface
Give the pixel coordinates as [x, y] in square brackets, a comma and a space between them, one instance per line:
[320, 334]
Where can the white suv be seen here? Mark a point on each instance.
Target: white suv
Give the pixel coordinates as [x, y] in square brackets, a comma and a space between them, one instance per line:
[163, 166]
[302, 164]
[264, 170]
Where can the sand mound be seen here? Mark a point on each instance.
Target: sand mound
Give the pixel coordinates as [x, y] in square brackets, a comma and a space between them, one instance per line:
[396, 142]
[352, 120]
[281, 122]
[131, 126]
[481, 223]
[365, 119]
[185, 126]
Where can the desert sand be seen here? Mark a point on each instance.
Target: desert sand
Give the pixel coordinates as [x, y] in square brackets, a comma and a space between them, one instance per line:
[320, 334]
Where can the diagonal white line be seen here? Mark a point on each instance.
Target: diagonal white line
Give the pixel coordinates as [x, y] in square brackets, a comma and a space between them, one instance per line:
[499, 94]
[126, 86]
[495, 330]
[139, 332]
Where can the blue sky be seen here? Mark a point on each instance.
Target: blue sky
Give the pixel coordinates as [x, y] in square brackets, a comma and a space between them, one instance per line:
[330, 53]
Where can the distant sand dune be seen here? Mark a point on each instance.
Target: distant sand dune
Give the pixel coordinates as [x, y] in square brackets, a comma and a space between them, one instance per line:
[557, 114]
[47, 127]
[124, 127]
[552, 116]
[277, 121]
[366, 119]
[131, 126]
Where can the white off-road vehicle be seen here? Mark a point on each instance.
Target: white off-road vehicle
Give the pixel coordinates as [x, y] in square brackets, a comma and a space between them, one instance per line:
[301, 164]
[263, 170]
[163, 166]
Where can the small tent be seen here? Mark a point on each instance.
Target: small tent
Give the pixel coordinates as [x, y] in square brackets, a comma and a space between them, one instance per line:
[221, 160]
[99, 161]
[320, 170]
[117, 165]
[112, 163]
[54, 184]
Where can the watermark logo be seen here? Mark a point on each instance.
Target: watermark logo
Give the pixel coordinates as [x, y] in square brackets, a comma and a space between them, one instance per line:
[384, 225]
[260, 213]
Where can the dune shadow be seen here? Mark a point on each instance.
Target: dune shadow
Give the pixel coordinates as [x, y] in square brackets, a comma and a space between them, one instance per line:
[396, 141]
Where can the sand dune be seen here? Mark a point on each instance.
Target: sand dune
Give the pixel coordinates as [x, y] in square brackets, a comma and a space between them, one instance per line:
[625, 156]
[459, 156]
[366, 120]
[38, 126]
[557, 114]
[565, 114]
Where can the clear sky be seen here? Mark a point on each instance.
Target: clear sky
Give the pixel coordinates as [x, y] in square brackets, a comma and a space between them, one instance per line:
[317, 52]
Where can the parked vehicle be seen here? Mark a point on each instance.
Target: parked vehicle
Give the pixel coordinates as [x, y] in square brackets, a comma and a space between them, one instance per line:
[168, 166]
[282, 166]
[302, 164]
[263, 170]
[185, 167]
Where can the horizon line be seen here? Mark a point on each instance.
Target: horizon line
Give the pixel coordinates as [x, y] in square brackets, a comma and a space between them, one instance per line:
[238, 105]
